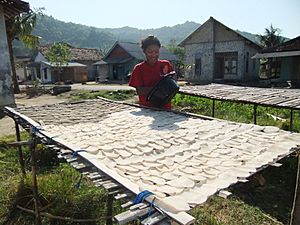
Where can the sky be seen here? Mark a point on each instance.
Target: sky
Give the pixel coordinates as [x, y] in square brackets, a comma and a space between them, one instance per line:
[252, 16]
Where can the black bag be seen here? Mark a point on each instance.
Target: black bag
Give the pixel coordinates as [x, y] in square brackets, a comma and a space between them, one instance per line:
[163, 91]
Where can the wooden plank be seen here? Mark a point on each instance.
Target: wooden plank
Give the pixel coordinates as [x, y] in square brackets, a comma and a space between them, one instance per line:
[291, 103]
[111, 185]
[123, 195]
[129, 215]
[138, 206]
[127, 204]
[153, 219]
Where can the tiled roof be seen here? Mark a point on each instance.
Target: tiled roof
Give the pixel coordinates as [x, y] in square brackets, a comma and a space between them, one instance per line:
[12, 8]
[78, 54]
[181, 159]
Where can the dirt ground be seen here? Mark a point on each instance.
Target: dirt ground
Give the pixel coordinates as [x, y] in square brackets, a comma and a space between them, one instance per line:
[7, 125]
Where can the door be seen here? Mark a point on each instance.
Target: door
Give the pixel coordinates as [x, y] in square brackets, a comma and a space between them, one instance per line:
[118, 71]
[219, 68]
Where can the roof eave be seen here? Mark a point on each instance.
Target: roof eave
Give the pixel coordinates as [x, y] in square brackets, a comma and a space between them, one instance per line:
[12, 8]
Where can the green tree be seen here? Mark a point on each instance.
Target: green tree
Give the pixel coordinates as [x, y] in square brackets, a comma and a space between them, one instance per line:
[179, 52]
[20, 28]
[59, 54]
[271, 37]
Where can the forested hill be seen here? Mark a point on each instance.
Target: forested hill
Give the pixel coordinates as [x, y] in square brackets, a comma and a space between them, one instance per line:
[52, 30]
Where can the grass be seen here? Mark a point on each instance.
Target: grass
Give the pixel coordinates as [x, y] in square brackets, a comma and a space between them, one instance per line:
[58, 193]
[119, 95]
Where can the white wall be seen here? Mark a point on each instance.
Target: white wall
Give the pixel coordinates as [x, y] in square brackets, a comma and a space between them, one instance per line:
[6, 85]
[45, 78]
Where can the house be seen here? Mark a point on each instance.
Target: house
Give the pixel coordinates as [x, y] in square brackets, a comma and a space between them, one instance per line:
[118, 63]
[8, 9]
[283, 64]
[214, 52]
[79, 69]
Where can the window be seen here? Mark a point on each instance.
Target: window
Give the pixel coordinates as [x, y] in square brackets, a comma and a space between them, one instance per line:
[275, 68]
[198, 66]
[230, 65]
[270, 68]
[45, 73]
[226, 63]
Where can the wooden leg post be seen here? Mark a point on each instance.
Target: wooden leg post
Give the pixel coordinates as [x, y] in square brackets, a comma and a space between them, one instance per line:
[291, 120]
[254, 113]
[21, 158]
[295, 215]
[109, 208]
[213, 108]
[35, 186]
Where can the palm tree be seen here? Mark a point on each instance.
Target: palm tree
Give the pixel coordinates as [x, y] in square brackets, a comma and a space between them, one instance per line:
[271, 37]
[20, 28]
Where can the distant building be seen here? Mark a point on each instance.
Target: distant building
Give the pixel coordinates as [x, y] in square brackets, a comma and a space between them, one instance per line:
[8, 9]
[79, 69]
[283, 62]
[118, 63]
[214, 52]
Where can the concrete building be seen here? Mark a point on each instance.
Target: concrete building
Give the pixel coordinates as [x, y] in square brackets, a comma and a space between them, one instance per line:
[8, 9]
[214, 52]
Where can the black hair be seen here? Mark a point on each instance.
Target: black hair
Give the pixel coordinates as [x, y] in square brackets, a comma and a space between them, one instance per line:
[150, 40]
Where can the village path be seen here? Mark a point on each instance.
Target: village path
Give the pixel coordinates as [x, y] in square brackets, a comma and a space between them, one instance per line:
[7, 125]
[101, 87]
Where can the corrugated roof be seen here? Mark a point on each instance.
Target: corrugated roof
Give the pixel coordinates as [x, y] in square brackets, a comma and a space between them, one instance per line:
[275, 54]
[290, 45]
[12, 8]
[70, 64]
[78, 54]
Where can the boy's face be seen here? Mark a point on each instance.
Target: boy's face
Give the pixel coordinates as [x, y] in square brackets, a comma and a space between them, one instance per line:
[152, 54]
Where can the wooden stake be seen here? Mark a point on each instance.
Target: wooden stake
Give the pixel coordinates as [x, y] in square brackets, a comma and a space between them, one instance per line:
[109, 209]
[213, 108]
[291, 120]
[254, 113]
[21, 157]
[35, 186]
[295, 215]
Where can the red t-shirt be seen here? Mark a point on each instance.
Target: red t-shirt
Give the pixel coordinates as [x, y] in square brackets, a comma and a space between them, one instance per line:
[144, 75]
